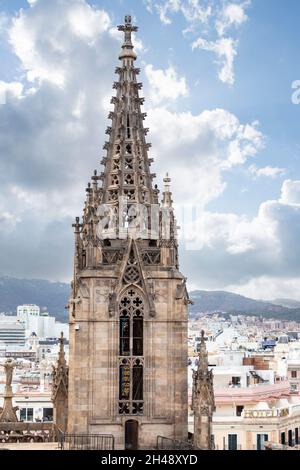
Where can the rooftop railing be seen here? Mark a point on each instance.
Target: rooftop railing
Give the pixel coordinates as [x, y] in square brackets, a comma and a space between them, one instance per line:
[86, 441]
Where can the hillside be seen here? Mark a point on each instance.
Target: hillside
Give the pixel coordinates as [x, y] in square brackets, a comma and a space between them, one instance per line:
[219, 301]
[53, 296]
[287, 303]
[49, 296]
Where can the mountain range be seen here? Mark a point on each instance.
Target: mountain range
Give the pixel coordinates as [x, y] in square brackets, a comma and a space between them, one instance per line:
[227, 302]
[49, 296]
[53, 297]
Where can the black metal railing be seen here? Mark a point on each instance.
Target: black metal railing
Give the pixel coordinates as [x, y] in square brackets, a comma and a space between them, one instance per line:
[59, 437]
[165, 443]
[68, 441]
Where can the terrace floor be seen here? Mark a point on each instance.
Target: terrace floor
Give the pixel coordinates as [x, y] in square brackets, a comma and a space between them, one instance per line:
[29, 446]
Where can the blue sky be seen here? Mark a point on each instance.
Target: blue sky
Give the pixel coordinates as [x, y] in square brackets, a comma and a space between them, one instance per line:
[233, 149]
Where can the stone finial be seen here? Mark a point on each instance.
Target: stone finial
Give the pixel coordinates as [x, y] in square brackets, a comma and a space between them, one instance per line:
[127, 48]
[61, 356]
[60, 388]
[203, 400]
[203, 357]
[76, 225]
[167, 195]
[167, 181]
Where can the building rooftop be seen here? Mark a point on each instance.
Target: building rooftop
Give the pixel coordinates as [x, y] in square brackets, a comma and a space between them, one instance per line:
[254, 393]
[9, 325]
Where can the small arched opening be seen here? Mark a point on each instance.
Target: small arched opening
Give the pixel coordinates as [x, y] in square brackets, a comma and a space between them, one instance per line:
[131, 434]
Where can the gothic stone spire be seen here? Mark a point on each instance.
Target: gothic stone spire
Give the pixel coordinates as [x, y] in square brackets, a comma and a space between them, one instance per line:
[60, 388]
[123, 193]
[127, 166]
[61, 356]
[203, 400]
[128, 310]
[203, 357]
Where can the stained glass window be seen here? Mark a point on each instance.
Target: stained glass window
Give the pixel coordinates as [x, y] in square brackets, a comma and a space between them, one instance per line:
[131, 311]
[137, 382]
[137, 348]
[124, 336]
[124, 382]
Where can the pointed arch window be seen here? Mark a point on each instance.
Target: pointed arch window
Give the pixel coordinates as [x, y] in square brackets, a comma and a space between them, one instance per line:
[131, 347]
[128, 128]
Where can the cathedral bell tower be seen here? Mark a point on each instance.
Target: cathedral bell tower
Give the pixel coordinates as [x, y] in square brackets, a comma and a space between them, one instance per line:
[128, 308]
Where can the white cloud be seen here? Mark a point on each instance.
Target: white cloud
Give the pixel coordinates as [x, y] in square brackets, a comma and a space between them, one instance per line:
[210, 20]
[193, 11]
[233, 14]
[229, 251]
[49, 139]
[267, 171]
[14, 89]
[196, 150]
[269, 288]
[43, 52]
[238, 234]
[165, 84]
[162, 11]
[226, 50]
[225, 47]
[290, 192]
[256, 256]
[88, 23]
[8, 220]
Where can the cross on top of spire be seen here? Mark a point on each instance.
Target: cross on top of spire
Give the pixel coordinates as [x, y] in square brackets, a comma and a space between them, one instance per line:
[127, 29]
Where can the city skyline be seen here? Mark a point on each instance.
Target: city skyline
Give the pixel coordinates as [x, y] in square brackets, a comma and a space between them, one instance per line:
[225, 132]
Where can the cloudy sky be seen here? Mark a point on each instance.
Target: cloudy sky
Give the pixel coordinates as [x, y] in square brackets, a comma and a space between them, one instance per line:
[218, 80]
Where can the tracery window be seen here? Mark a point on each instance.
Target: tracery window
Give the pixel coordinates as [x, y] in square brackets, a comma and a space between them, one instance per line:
[128, 128]
[129, 194]
[116, 164]
[131, 361]
[128, 163]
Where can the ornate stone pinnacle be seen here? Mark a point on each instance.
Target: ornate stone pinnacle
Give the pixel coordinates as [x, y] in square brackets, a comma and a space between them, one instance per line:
[76, 225]
[167, 179]
[60, 388]
[203, 356]
[61, 356]
[203, 400]
[167, 195]
[127, 26]
[127, 48]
